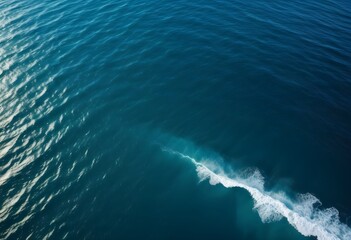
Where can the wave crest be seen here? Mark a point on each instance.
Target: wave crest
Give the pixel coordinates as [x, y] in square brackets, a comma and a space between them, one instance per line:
[303, 214]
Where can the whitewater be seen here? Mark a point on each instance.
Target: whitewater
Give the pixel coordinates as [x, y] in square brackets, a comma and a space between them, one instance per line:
[303, 214]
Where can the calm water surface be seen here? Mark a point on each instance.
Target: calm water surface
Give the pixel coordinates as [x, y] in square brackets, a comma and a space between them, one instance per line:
[112, 112]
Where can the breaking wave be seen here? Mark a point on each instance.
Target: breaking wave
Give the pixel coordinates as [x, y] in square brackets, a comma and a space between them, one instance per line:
[302, 213]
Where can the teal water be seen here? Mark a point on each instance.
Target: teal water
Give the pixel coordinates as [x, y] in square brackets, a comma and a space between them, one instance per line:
[175, 119]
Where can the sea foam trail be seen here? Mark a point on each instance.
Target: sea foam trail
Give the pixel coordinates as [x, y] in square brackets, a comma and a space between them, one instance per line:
[302, 215]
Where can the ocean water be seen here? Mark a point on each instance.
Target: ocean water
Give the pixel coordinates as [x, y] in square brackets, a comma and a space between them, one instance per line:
[175, 119]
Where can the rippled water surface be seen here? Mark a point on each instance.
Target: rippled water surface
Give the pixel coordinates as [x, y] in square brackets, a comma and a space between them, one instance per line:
[112, 111]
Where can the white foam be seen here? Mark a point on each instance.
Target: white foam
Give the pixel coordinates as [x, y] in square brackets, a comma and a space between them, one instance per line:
[303, 214]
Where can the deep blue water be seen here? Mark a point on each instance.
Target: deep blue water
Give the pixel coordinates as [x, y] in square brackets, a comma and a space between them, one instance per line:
[117, 117]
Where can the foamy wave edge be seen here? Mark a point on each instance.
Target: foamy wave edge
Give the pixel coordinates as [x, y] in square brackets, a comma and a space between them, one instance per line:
[302, 215]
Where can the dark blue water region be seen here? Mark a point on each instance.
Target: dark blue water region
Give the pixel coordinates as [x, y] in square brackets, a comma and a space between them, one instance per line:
[175, 119]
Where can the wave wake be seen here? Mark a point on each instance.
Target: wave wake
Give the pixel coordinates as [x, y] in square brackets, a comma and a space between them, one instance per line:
[303, 214]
